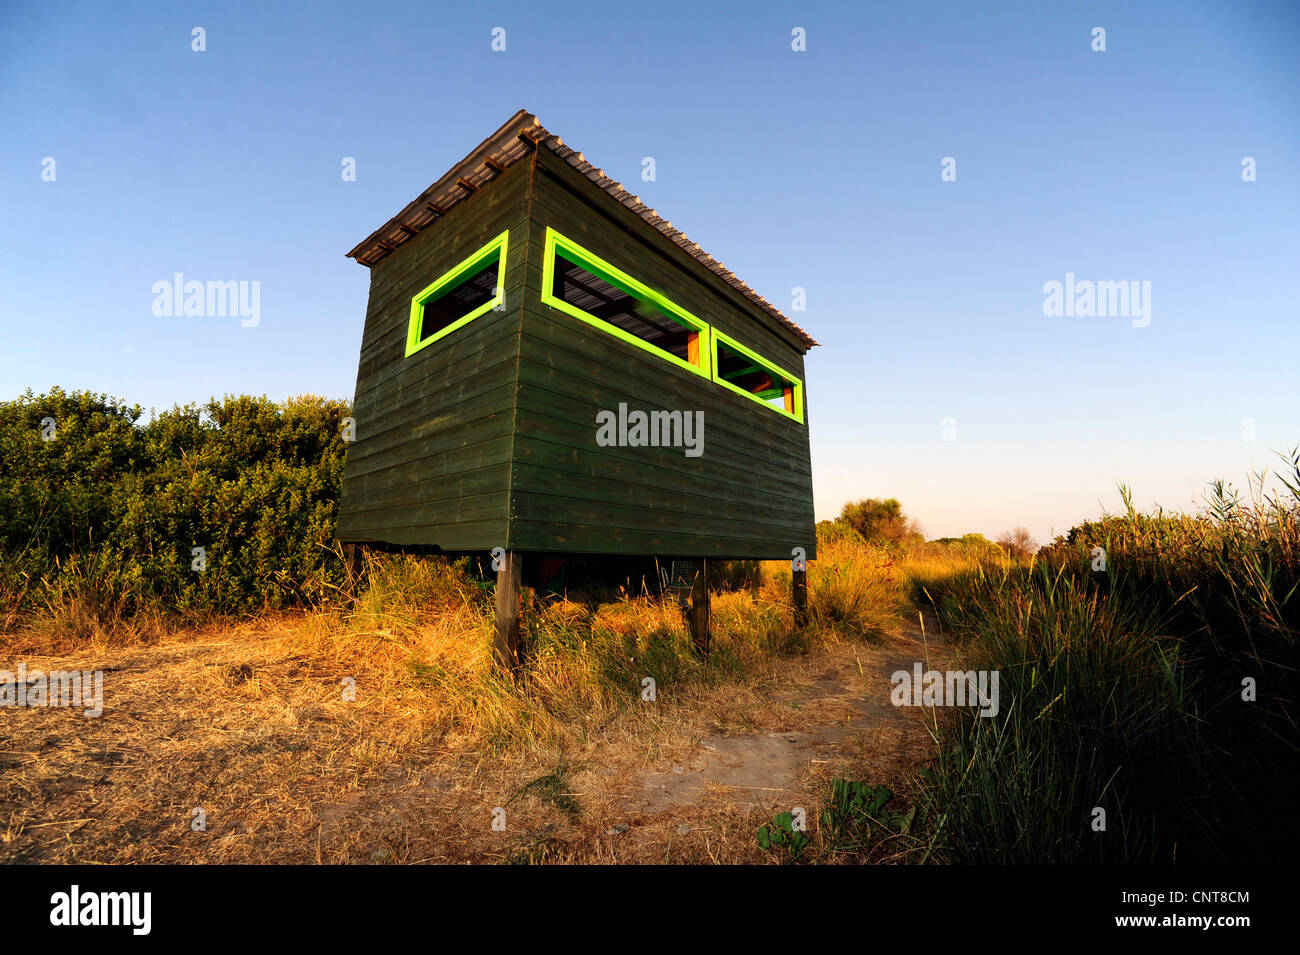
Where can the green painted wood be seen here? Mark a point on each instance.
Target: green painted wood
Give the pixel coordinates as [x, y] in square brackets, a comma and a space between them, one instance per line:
[425, 429]
[604, 489]
[487, 438]
[678, 477]
[464, 536]
[748, 495]
[470, 495]
[557, 537]
[560, 191]
[575, 359]
[431, 463]
[398, 277]
[435, 466]
[489, 338]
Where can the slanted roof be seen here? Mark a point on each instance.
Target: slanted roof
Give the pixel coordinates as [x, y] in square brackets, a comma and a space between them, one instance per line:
[515, 140]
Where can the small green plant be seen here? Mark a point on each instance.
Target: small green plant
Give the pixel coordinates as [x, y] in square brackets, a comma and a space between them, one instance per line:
[553, 790]
[854, 808]
[782, 833]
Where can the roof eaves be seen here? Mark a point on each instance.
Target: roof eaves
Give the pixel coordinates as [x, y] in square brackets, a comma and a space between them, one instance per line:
[514, 140]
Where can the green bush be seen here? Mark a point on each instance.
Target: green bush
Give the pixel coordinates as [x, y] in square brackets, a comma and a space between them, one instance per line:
[879, 520]
[92, 491]
[837, 532]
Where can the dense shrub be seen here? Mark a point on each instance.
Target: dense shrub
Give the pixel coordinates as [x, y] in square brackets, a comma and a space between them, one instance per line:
[837, 532]
[91, 491]
[878, 521]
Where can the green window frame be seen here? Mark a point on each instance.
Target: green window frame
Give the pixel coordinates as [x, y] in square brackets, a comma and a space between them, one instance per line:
[793, 397]
[556, 243]
[447, 283]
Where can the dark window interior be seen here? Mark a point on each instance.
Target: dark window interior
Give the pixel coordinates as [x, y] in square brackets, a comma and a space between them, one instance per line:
[745, 373]
[595, 296]
[457, 301]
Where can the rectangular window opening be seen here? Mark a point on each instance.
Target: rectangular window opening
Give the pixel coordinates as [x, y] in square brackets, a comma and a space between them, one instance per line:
[633, 314]
[745, 372]
[454, 303]
[583, 285]
[458, 296]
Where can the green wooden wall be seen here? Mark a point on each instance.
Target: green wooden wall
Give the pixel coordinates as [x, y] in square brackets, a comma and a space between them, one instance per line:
[431, 460]
[488, 437]
[748, 495]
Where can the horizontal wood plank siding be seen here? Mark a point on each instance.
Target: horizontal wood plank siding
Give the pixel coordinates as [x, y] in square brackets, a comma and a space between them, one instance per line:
[593, 220]
[748, 495]
[431, 463]
[487, 437]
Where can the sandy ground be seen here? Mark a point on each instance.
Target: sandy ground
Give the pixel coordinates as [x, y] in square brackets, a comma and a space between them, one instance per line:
[244, 728]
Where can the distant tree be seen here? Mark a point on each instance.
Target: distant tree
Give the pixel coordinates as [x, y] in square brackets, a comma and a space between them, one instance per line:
[1018, 542]
[968, 540]
[879, 520]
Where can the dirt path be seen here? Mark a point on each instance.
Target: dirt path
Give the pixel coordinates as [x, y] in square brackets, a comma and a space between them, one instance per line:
[837, 719]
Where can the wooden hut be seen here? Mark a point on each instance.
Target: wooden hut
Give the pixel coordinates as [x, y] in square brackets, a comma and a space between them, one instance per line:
[550, 368]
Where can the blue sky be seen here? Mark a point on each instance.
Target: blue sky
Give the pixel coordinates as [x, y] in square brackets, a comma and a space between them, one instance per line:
[818, 169]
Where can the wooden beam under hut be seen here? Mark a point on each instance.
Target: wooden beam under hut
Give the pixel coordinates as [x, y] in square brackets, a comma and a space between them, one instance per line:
[800, 599]
[509, 609]
[699, 615]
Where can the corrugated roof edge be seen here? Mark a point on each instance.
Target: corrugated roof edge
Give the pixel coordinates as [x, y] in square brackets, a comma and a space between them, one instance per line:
[516, 139]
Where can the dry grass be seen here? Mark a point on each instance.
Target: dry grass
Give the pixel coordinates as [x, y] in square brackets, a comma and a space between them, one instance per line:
[250, 723]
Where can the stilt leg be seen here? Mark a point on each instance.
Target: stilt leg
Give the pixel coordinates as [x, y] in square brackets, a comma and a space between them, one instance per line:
[508, 609]
[800, 596]
[699, 610]
[353, 561]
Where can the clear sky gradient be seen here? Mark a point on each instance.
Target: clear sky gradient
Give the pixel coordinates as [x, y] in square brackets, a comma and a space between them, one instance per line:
[817, 169]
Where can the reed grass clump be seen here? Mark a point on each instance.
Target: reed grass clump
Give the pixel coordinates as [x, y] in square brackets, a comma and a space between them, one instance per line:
[1127, 689]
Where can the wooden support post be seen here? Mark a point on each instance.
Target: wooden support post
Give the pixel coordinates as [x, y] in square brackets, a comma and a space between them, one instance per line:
[800, 599]
[353, 562]
[508, 610]
[699, 610]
